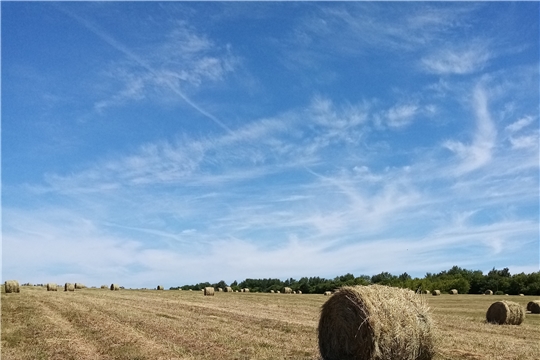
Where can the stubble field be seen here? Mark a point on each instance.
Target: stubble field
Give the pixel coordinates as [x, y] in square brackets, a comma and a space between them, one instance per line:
[149, 324]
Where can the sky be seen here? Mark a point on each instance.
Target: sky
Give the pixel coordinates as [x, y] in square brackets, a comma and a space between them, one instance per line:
[172, 143]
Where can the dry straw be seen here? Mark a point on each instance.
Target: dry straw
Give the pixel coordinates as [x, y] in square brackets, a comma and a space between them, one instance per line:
[12, 286]
[104, 287]
[488, 292]
[52, 287]
[327, 293]
[115, 287]
[375, 323]
[534, 307]
[219, 289]
[69, 287]
[159, 287]
[79, 286]
[287, 290]
[505, 313]
[436, 292]
[453, 292]
[209, 291]
[228, 289]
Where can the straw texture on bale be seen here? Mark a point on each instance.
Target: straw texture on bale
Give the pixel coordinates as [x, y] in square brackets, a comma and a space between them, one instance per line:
[52, 287]
[115, 287]
[209, 291]
[534, 307]
[375, 323]
[69, 287]
[327, 293]
[505, 313]
[12, 286]
[488, 292]
[159, 287]
[453, 292]
[228, 289]
[287, 290]
[436, 292]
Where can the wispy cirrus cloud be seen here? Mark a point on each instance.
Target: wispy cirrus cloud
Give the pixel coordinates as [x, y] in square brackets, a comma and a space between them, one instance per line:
[458, 59]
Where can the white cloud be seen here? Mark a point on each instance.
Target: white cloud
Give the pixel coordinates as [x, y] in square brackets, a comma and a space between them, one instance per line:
[470, 59]
[519, 124]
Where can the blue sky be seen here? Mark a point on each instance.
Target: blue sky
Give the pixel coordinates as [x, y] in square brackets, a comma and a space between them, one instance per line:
[177, 142]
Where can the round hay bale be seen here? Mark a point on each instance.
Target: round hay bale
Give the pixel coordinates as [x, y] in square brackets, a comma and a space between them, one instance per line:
[79, 286]
[271, 291]
[69, 287]
[534, 307]
[278, 292]
[327, 293]
[375, 322]
[294, 292]
[287, 290]
[488, 292]
[190, 289]
[436, 292]
[453, 292]
[299, 292]
[220, 290]
[104, 287]
[115, 287]
[159, 287]
[235, 290]
[228, 289]
[12, 286]
[521, 294]
[52, 287]
[209, 291]
[246, 290]
[505, 313]
[426, 292]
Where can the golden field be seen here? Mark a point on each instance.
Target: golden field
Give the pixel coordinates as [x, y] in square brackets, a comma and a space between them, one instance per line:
[173, 324]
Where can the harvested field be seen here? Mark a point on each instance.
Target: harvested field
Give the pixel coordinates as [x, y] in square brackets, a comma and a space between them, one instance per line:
[137, 324]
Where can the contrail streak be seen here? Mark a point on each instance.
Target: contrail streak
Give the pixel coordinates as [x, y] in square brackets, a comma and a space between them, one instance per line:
[126, 51]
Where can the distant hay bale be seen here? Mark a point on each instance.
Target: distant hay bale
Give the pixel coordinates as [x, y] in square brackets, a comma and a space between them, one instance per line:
[436, 292]
[246, 290]
[79, 286]
[115, 287]
[505, 313]
[453, 292]
[235, 290]
[294, 292]
[299, 292]
[375, 322]
[534, 307]
[104, 287]
[12, 286]
[69, 287]
[219, 289]
[52, 287]
[228, 289]
[209, 291]
[271, 291]
[159, 287]
[287, 290]
[278, 292]
[521, 294]
[327, 293]
[426, 292]
[488, 292]
[190, 289]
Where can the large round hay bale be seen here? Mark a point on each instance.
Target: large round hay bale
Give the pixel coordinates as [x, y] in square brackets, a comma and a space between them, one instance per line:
[505, 313]
[115, 287]
[209, 291]
[436, 292]
[104, 287]
[228, 289]
[52, 287]
[159, 287]
[534, 307]
[287, 290]
[69, 287]
[327, 293]
[488, 292]
[12, 286]
[375, 322]
[79, 286]
[453, 292]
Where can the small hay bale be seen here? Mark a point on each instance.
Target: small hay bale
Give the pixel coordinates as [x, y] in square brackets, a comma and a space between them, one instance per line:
[12, 286]
[79, 286]
[327, 293]
[190, 289]
[426, 292]
[521, 294]
[436, 292]
[299, 292]
[115, 287]
[159, 287]
[375, 322]
[453, 292]
[246, 290]
[534, 307]
[271, 291]
[228, 289]
[69, 287]
[294, 292]
[104, 287]
[278, 292]
[235, 290]
[287, 290]
[505, 313]
[488, 292]
[52, 287]
[209, 291]
[220, 290]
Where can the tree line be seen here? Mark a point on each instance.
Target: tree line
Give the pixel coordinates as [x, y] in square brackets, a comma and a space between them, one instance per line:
[463, 280]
